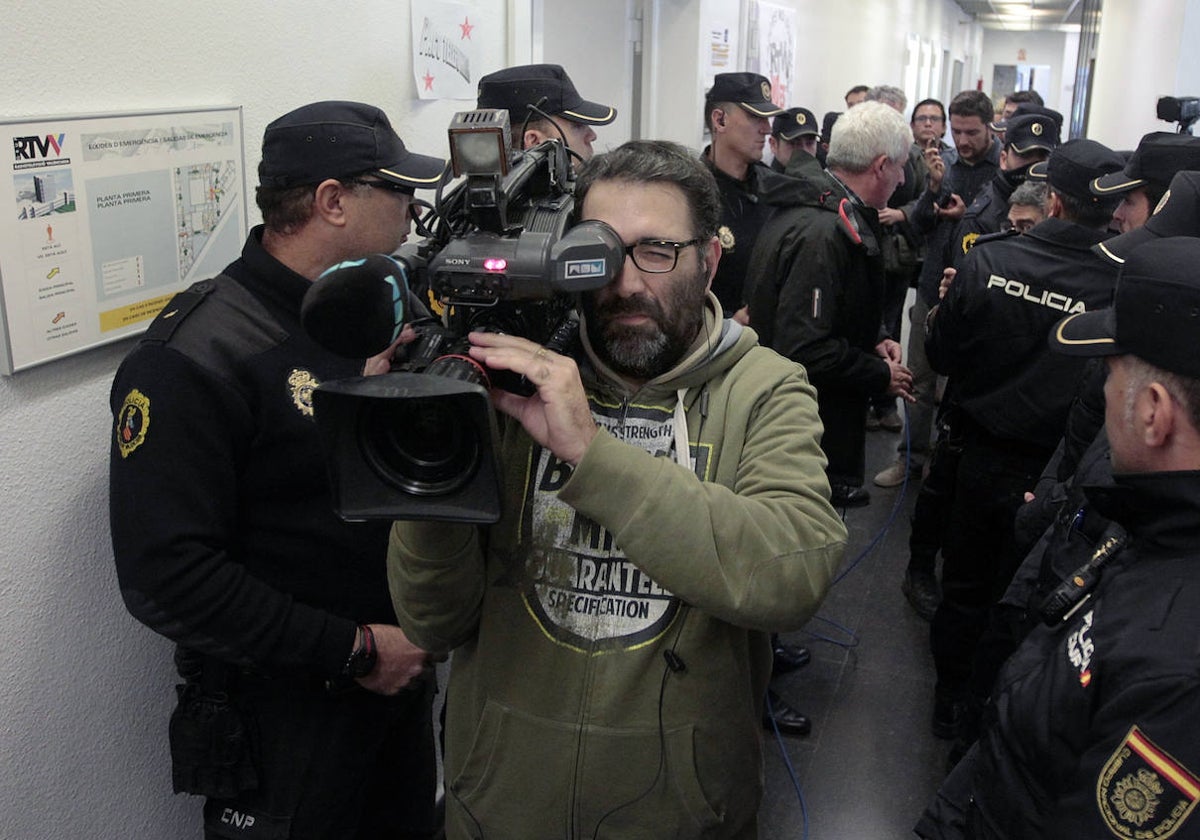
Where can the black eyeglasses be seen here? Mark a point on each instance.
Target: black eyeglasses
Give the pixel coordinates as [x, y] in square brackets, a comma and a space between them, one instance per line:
[658, 256]
[385, 185]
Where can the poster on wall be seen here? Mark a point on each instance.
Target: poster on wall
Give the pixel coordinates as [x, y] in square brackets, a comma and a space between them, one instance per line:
[105, 217]
[446, 59]
[719, 49]
[771, 47]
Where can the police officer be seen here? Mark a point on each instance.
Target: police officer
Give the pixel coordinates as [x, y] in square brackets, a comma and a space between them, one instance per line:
[543, 104]
[1143, 182]
[737, 113]
[305, 712]
[988, 336]
[794, 130]
[1029, 137]
[1092, 728]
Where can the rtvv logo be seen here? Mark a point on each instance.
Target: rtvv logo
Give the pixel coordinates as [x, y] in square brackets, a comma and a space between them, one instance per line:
[585, 268]
[31, 148]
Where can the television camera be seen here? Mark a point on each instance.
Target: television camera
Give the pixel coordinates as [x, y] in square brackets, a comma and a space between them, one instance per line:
[499, 254]
[1184, 110]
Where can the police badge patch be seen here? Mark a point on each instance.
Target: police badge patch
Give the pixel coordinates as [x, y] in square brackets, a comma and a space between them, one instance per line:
[968, 240]
[1144, 792]
[133, 421]
[725, 237]
[301, 383]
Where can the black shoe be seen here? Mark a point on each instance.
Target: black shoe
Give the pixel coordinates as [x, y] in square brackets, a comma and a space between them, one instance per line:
[788, 657]
[845, 496]
[920, 587]
[779, 714]
[947, 717]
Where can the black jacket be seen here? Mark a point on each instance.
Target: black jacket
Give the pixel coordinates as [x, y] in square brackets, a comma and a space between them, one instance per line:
[987, 212]
[1091, 729]
[743, 214]
[816, 296]
[966, 180]
[223, 530]
[990, 332]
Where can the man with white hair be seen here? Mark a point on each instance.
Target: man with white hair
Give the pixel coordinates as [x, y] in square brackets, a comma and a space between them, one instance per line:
[816, 282]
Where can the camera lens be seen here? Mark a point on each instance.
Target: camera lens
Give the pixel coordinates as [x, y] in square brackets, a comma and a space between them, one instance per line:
[422, 447]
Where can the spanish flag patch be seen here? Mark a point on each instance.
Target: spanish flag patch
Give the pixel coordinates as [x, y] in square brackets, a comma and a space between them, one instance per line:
[1144, 792]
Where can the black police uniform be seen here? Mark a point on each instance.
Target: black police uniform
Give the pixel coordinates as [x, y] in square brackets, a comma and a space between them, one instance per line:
[743, 214]
[987, 213]
[226, 542]
[1091, 731]
[989, 335]
[966, 180]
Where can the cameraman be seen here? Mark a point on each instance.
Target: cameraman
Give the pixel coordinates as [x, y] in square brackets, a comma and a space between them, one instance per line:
[665, 507]
[305, 711]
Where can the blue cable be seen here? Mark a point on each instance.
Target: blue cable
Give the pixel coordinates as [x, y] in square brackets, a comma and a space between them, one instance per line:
[787, 762]
[850, 634]
[895, 506]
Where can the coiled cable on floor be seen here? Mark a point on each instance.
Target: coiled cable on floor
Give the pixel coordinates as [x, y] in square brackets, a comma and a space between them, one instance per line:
[851, 640]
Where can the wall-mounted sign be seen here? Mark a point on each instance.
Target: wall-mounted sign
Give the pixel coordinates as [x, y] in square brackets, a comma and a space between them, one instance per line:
[103, 218]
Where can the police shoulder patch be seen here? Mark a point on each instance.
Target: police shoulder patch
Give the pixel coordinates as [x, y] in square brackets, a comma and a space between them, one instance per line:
[968, 240]
[1142, 791]
[133, 421]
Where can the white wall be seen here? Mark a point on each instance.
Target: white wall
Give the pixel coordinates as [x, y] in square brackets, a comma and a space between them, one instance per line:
[1001, 47]
[1141, 55]
[866, 43]
[860, 42]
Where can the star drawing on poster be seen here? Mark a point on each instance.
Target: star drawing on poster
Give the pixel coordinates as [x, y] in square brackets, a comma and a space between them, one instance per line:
[466, 26]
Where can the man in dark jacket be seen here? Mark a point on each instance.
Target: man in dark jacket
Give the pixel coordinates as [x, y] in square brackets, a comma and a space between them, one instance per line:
[989, 336]
[1091, 731]
[305, 711]
[817, 282]
[1143, 182]
[737, 112]
[1029, 137]
[795, 130]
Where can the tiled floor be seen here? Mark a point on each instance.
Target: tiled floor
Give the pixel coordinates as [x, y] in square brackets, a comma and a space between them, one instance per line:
[870, 764]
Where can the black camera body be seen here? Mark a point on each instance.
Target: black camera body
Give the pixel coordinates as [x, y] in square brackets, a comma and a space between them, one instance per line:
[500, 255]
[1184, 110]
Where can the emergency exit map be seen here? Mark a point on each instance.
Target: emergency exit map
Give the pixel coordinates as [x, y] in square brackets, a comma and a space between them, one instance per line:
[108, 216]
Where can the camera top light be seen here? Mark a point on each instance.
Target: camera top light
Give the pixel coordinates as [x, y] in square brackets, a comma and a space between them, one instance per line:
[479, 142]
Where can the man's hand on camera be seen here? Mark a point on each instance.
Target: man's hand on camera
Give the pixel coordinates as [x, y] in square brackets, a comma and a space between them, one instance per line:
[382, 362]
[557, 416]
[399, 661]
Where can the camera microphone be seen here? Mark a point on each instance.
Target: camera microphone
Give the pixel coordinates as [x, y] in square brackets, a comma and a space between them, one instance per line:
[356, 308]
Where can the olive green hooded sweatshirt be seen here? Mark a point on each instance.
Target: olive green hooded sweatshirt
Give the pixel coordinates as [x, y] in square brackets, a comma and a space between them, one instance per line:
[610, 634]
